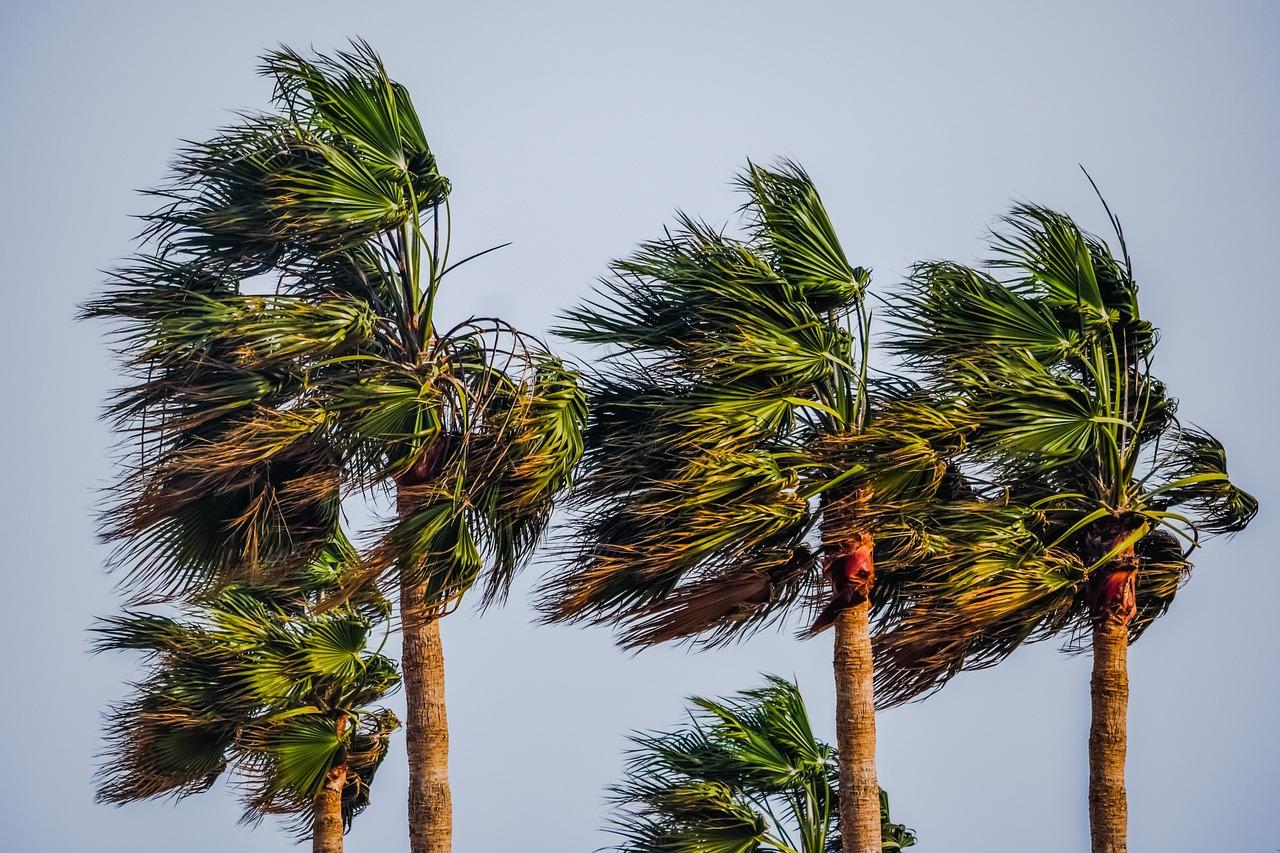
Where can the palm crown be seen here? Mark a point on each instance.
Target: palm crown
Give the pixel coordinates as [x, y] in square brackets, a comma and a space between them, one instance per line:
[746, 774]
[1050, 365]
[282, 334]
[254, 680]
[734, 416]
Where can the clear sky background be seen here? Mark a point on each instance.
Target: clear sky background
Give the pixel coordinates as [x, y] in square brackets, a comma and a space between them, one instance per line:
[574, 129]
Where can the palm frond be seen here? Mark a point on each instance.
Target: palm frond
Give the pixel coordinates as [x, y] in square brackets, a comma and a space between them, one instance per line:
[787, 215]
[1195, 476]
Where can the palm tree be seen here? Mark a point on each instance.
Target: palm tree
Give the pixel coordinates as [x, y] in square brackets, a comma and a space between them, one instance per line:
[254, 679]
[1050, 358]
[280, 328]
[745, 776]
[731, 421]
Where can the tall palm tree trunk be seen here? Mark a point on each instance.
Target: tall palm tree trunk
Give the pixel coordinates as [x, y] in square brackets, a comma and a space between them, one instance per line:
[426, 725]
[1108, 806]
[852, 573]
[326, 826]
[856, 732]
[1115, 603]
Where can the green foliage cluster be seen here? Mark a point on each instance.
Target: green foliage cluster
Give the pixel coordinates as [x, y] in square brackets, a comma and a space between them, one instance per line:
[253, 414]
[746, 775]
[735, 438]
[1046, 354]
[255, 682]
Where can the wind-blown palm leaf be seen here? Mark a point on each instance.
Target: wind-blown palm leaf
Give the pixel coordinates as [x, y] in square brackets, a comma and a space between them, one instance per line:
[746, 774]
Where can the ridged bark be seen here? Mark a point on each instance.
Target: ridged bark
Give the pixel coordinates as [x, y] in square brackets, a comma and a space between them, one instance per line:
[1114, 605]
[326, 827]
[426, 725]
[856, 731]
[1108, 805]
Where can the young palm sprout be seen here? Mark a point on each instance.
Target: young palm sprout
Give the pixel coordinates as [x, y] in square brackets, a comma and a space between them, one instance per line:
[736, 447]
[746, 775]
[1052, 365]
[254, 681]
[282, 331]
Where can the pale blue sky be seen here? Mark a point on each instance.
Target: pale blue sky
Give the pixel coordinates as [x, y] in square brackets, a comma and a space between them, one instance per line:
[574, 129]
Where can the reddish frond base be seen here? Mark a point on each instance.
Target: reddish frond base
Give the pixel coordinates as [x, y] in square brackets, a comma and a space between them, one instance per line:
[851, 573]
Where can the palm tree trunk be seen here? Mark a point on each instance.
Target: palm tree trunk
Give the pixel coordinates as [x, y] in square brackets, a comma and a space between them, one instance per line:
[426, 725]
[1114, 604]
[326, 825]
[851, 571]
[856, 731]
[1108, 806]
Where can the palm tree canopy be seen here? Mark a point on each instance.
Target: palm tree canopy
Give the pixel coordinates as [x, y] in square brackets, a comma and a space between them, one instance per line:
[746, 775]
[253, 680]
[280, 333]
[731, 416]
[1047, 355]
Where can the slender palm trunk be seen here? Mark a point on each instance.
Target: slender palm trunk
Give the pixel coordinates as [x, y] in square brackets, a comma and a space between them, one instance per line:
[1115, 603]
[426, 725]
[1108, 806]
[856, 732]
[326, 826]
[852, 574]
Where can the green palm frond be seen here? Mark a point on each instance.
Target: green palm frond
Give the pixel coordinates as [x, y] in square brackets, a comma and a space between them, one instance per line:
[786, 214]
[746, 774]
[342, 161]
[716, 310]
[1194, 469]
[350, 96]
[953, 319]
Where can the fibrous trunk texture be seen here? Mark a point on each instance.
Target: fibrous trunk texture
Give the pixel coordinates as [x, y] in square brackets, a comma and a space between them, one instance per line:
[856, 707]
[1114, 605]
[326, 827]
[1108, 806]
[426, 724]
